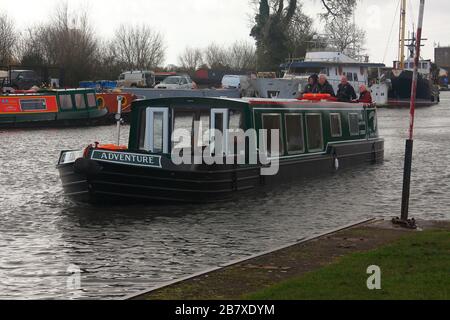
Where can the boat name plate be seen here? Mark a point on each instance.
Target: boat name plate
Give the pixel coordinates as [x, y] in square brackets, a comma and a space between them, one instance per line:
[132, 159]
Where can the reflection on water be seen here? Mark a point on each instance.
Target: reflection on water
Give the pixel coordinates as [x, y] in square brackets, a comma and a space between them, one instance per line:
[121, 250]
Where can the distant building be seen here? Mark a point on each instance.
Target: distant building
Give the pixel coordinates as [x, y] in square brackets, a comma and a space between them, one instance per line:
[442, 57]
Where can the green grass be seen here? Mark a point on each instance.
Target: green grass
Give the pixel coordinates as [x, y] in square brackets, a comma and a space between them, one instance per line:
[415, 267]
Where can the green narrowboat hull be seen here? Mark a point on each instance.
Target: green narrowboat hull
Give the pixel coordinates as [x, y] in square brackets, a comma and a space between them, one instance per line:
[77, 118]
[316, 138]
[93, 181]
[71, 107]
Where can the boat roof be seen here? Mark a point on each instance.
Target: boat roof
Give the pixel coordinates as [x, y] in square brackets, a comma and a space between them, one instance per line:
[74, 90]
[300, 103]
[51, 92]
[314, 64]
[259, 102]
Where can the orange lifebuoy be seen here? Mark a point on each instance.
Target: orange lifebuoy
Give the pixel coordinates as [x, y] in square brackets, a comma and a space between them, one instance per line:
[111, 147]
[101, 102]
[316, 96]
[124, 102]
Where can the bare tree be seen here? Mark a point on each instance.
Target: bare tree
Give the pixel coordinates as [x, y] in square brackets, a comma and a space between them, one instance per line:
[108, 65]
[216, 56]
[351, 41]
[281, 29]
[337, 8]
[8, 39]
[67, 42]
[139, 47]
[300, 33]
[31, 48]
[191, 59]
[242, 56]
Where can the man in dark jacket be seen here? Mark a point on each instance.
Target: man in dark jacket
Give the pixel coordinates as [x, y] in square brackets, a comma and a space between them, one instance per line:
[324, 86]
[346, 92]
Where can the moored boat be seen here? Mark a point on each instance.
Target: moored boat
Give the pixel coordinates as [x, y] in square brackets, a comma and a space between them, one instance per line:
[108, 100]
[313, 137]
[394, 84]
[50, 108]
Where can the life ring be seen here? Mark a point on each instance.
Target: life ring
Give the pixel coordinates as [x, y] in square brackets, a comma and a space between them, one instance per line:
[101, 102]
[316, 96]
[124, 102]
[111, 147]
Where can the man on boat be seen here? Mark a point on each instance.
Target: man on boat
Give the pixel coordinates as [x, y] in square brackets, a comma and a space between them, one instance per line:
[311, 87]
[324, 86]
[346, 92]
[365, 96]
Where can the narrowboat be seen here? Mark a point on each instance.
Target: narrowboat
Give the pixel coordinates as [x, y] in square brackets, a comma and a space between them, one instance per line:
[310, 138]
[108, 100]
[50, 108]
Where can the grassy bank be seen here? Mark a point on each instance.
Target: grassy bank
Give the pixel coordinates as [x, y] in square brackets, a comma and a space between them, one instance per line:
[414, 267]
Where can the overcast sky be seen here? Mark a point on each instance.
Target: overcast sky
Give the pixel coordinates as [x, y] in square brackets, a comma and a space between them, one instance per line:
[199, 22]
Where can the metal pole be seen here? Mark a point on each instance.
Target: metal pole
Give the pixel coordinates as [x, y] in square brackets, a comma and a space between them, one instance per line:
[401, 57]
[410, 141]
[119, 117]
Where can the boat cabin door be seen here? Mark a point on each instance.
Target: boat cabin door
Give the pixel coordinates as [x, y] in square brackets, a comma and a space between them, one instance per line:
[219, 123]
[157, 130]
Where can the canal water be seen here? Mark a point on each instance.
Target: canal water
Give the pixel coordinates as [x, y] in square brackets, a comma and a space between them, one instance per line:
[45, 239]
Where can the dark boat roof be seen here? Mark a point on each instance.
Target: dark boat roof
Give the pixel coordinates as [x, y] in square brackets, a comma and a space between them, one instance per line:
[252, 102]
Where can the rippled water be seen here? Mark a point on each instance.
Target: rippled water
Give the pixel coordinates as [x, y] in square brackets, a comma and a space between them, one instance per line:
[122, 250]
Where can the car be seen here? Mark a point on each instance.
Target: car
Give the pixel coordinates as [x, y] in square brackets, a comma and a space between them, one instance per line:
[240, 83]
[137, 79]
[24, 79]
[233, 81]
[160, 76]
[177, 82]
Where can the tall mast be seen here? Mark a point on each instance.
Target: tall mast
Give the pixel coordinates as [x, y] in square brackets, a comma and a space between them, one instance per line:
[401, 51]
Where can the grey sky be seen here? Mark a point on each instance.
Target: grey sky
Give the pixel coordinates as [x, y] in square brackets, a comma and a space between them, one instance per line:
[199, 22]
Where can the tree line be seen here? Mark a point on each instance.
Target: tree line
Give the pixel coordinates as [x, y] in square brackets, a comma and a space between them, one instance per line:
[282, 30]
[68, 41]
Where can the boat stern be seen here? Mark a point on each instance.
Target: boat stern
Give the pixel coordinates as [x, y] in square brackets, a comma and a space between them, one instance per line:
[74, 181]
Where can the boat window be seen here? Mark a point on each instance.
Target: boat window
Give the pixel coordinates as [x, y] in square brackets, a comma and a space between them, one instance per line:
[183, 120]
[33, 104]
[157, 130]
[236, 120]
[349, 76]
[272, 122]
[355, 77]
[65, 102]
[158, 123]
[294, 133]
[219, 122]
[204, 126]
[336, 125]
[236, 124]
[353, 121]
[315, 133]
[80, 102]
[142, 129]
[92, 101]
